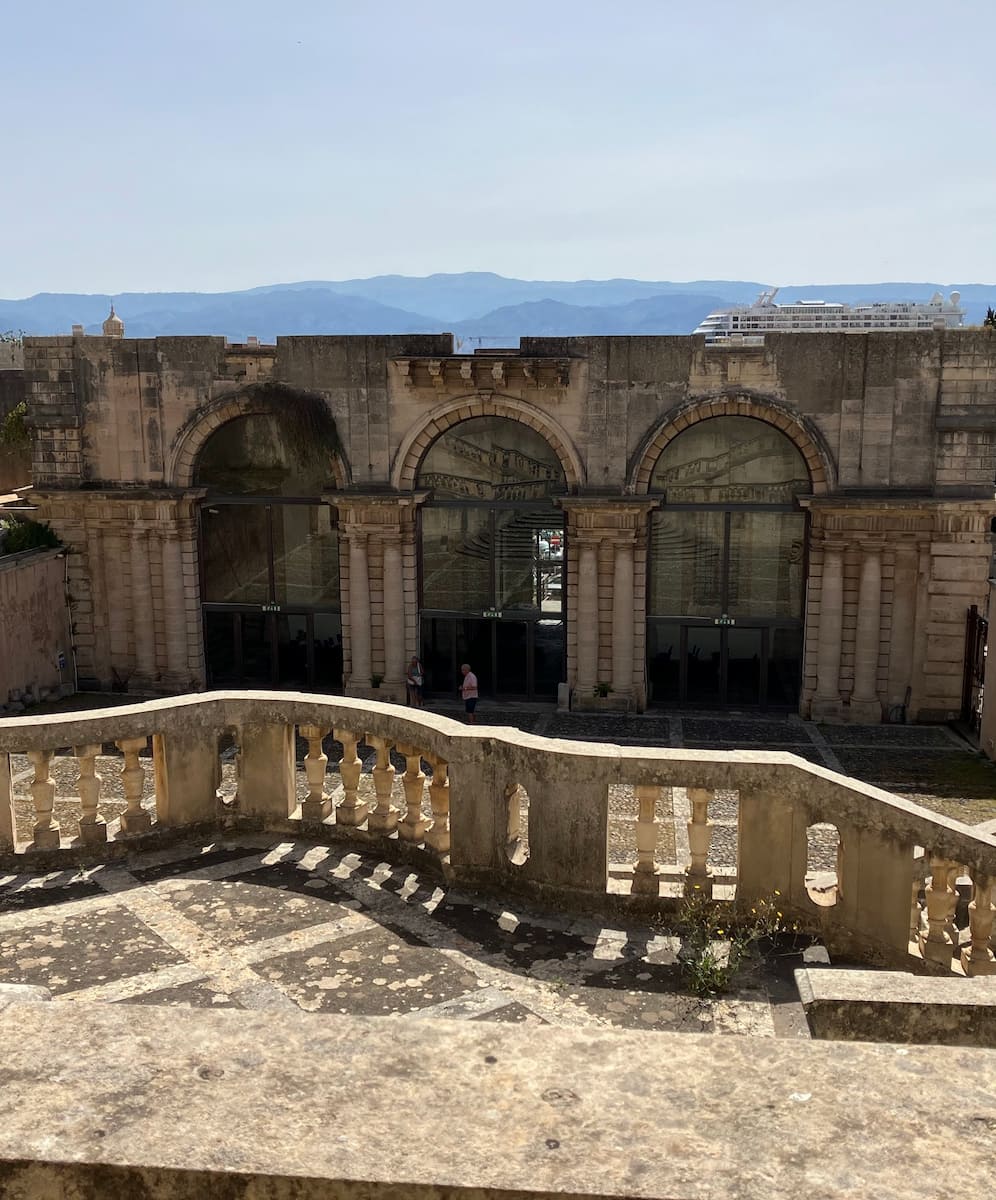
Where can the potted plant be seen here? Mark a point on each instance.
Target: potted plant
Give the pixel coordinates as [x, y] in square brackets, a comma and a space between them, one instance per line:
[376, 680]
[602, 689]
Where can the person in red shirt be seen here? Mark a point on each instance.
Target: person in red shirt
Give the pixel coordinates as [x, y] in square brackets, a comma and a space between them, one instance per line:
[468, 690]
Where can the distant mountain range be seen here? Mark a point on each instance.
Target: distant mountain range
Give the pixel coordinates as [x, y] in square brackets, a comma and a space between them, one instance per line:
[478, 306]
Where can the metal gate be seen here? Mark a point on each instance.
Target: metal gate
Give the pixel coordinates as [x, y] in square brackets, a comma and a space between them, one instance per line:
[976, 635]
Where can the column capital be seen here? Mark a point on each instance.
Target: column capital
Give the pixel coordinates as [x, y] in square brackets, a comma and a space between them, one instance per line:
[874, 545]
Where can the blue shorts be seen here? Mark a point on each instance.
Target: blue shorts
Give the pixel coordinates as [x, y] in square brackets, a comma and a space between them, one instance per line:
[470, 704]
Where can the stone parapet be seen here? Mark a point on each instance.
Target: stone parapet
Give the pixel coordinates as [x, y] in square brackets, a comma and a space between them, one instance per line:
[872, 911]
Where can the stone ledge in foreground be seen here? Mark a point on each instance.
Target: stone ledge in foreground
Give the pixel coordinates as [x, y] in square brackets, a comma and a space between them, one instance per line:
[164, 1102]
[876, 1006]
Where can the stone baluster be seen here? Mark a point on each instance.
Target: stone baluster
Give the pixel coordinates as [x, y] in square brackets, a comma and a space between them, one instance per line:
[698, 876]
[942, 900]
[134, 818]
[383, 818]
[93, 829]
[977, 958]
[646, 874]
[412, 827]
[46, 830]
[316, 806]
[350, 811]
[438, 834]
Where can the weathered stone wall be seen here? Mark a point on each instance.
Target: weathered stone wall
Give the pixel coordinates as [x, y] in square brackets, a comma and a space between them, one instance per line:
[897, 430]
[34, 628]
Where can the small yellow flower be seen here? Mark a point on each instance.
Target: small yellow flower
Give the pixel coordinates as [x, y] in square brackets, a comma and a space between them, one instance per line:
[778, 914]
[777, 892]
[719, 931]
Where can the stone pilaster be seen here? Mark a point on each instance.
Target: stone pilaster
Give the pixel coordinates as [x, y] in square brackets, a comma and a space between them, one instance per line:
[866, 707]
[359, 613]
[142, 614]
[587, 617]
[826, 702]
[394, 611]
[622, 617]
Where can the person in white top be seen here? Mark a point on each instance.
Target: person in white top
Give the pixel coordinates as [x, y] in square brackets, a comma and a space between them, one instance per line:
[468, 690]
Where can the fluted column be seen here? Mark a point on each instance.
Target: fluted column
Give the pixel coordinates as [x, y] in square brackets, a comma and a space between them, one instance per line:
[142, 615]
[622, 617]
[865, 704]
[359, 611]
[394, 612]
[587, 618]
[175, 598]
[826, 702]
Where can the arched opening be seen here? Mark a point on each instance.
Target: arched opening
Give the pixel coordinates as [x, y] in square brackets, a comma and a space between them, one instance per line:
[727, 567]
[491, 560]
[269, 558]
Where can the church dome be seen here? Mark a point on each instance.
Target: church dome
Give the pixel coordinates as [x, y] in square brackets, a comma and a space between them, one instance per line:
[113, 326]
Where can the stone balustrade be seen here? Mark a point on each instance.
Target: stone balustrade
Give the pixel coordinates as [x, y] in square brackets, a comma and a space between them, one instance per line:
[908, 881]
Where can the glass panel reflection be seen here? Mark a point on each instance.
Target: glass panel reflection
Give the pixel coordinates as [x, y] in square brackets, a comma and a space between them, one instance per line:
[305, 555]
[703, 661]
[664, 661]
[456, 559]
[766, 564]
[784, 667]
[235, 554]
[743, 666]
[548, 657]
[492, 458]
[686, 551]
[257, 649]
[511, 638]
[328, 652]
[738, 460]
[219, 648]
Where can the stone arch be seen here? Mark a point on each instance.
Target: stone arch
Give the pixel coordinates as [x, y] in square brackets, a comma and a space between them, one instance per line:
[418, 441]
[806, 439]
[193, 436]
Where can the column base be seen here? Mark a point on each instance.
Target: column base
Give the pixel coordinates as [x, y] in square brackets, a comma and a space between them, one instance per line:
[646, 883]
[315, 810]
[582, 701]
[385, 694]
[383, 822]
[351, 816]
[865, 712]
[93, 833]
[47, 839]
[977, 966]
[829, 711]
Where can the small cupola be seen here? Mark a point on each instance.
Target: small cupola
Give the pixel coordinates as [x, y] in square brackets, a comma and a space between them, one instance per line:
[113, 326]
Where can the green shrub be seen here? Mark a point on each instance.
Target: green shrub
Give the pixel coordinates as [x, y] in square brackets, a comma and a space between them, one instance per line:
[16, 536]
[14, 432]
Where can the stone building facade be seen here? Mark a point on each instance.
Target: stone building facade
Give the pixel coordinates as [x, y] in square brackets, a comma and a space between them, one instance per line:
[616, 522]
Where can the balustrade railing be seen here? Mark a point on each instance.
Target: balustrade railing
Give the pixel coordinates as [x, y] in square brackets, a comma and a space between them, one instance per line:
[905, 881]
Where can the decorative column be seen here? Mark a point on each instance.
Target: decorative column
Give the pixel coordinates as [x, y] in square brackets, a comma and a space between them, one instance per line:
[826, 702]
[143, 620]
[175, 599]
[904, 590]
[359, 612]
[394, 611]
[865, 704]
[587, 618]
[622, 618]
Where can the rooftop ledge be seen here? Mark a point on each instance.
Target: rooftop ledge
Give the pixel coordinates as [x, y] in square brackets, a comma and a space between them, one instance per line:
[172, 1103]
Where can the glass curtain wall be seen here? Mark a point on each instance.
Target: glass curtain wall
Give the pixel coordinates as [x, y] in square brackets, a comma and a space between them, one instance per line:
[269, 556]
[491, 563]
[727, 567]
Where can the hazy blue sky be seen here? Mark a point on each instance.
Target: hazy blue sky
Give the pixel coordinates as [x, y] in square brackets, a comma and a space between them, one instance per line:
[212, 145]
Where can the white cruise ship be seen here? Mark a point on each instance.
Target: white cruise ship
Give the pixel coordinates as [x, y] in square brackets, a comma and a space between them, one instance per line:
[749, 322]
